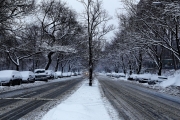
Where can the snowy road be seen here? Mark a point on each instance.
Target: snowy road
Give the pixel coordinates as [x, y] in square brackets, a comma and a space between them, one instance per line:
[134, 102]
[17, 103]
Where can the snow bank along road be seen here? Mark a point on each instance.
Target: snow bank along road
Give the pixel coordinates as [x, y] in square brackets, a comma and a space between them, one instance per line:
[134, 102]
[17, 103]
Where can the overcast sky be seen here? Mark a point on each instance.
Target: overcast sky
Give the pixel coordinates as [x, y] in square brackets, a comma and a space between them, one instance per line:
[112, 6]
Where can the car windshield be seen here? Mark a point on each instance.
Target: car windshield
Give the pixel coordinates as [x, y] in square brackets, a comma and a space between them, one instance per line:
[42, 71]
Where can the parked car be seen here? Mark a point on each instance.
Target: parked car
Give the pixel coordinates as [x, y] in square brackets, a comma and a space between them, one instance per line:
[58, 74]
[118, 75]
[74, 74]
[144, 78]
[133, 77]
[50, 74]
[156, 79]
[28, 76]
[66, 74]
[40, 75]
[55, 75]
[10, 77]
[109, 74]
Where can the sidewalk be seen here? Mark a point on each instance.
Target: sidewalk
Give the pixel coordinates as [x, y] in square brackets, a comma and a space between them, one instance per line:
[85, 104]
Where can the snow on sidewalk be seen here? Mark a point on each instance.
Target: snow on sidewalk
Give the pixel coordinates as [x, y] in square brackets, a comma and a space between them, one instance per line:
[85, 104]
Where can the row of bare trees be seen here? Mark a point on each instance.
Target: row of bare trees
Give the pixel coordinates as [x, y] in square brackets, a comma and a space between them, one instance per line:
[148, 37]
[45, 35]
[50, 35]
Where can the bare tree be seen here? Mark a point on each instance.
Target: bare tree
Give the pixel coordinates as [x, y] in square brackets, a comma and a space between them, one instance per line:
[96, 19]
[59, 25]
[23, 45]
[10, 10]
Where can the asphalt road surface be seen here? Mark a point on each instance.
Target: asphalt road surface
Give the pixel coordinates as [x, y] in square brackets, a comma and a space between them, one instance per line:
[15, 104]
[135, 102]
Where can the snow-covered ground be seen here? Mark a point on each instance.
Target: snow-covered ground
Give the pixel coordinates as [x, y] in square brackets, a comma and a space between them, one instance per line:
[87, 103]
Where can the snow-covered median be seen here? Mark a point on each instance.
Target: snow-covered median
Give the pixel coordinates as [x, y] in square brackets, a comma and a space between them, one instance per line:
[85, 104]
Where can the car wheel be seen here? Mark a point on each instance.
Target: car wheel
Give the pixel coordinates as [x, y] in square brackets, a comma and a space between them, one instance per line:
[19, 82]
[10, 83]
[28, 80]
[46, 80]
[33, 80]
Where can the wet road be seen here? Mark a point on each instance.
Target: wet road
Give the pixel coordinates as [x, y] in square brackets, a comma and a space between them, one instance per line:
[15, 104]
[134, 102]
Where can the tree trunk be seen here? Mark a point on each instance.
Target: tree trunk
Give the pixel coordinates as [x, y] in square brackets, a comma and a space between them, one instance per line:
[17, 67]
[177, 38]
[90, 62]
[140, 64]
[116, 69]
[139, 68]
[90, 75]
[160, 69]
[69, 68]
[123, 65]
[36, 64]
[57, 64]
[174, 62]
[49, 60]
[62, 68]
[130, 68]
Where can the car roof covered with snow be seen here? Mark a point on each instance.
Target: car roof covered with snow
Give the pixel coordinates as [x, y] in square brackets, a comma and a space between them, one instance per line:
[5, 73]
[26, 73]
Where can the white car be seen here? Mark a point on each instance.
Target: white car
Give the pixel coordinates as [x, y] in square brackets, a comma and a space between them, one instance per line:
[50, 74]
[10, 77]
[66, 74]
[28, 76]
[144, 78]
[40, 75]
[58, 74]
